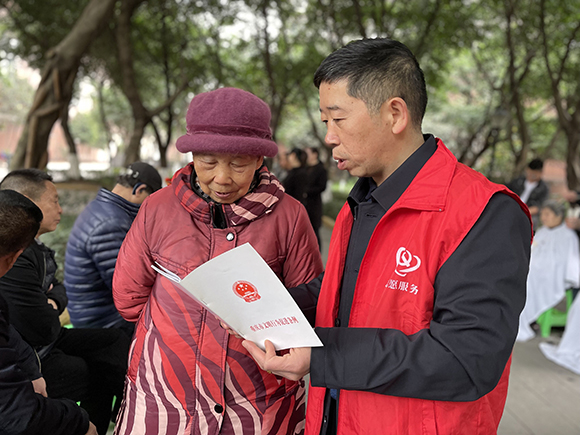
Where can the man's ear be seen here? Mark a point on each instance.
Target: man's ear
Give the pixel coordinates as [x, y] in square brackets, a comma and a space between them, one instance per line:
[136, 188]
[398, 114]
[139, 193]
[141, 189]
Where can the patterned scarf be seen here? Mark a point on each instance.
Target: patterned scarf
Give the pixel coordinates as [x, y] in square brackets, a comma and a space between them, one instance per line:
[258, 202]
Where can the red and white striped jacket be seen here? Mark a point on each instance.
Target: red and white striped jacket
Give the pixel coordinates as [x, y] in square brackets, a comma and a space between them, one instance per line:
[186, 374]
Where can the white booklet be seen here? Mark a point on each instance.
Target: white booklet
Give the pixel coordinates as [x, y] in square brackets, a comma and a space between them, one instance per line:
[239, 287]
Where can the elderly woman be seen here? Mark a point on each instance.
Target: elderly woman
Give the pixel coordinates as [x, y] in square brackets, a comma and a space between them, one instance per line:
[186, 374]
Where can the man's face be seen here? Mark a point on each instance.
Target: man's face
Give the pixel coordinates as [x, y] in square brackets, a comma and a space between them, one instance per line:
[225, 177]
[533, 175]
[359, 141]
[48, 203]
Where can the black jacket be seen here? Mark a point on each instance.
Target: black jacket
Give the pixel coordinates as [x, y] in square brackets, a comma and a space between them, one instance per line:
[27, 287]
[22, 411]
[538, 195]
[316, 184]
[295, 183]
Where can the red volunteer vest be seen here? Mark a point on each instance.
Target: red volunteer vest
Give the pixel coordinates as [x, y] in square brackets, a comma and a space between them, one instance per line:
[394, 290]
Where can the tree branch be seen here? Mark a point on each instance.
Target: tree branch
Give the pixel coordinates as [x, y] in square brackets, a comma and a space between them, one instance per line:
[359, 18]
[555, 81]
[421, 45]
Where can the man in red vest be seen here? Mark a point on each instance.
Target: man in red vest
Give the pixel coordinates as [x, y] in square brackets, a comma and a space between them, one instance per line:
[426, 274]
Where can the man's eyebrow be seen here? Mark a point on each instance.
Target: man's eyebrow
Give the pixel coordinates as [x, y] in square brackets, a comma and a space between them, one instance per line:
[331, 108]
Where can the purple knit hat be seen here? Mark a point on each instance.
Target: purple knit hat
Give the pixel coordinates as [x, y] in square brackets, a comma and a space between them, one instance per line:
[228, 120]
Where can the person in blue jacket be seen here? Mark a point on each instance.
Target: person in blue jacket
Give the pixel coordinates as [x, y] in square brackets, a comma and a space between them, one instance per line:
[93, 246]
[24, 405]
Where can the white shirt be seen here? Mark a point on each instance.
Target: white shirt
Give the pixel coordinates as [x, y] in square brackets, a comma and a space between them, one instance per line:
[529, 186]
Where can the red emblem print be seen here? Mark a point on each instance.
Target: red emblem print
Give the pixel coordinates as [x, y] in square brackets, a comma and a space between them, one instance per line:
[246, 290]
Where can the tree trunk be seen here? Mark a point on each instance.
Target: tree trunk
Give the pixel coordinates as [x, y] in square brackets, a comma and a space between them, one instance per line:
[568, 112]
[359, 18]
[141, 116]
[163, 145]
[133, 151]
[103, 118]
[56, 85]
[74, 172]
[516, 100]
[572, 161]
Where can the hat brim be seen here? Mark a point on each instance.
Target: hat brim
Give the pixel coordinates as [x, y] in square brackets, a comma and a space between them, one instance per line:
[215, 143]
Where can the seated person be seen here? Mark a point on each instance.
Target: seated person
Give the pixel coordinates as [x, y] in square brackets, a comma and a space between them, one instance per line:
[531, 189]
[554, 266]
[24, 407]
[86, 365]
[93, 246]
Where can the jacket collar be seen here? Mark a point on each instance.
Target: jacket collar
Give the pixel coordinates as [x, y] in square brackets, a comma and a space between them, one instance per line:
[105, 195]
[429, 189]
[389, 192]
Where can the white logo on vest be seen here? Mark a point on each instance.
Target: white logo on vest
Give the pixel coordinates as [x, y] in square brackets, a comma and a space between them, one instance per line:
[406, 262]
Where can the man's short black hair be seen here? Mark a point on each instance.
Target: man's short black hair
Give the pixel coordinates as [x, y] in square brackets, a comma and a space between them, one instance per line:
[19, 222]
[377, 70]
[30, 182]
[536, 165]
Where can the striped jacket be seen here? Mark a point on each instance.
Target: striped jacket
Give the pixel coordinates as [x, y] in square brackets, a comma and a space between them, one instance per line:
[186, 375]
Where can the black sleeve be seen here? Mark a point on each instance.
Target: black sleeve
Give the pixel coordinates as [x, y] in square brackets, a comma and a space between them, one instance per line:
[58, 294]
[22, 411]
[306, 297]
[57, 417]
[30, 313]
[539, 195]
[27, 359]
[479, 293]
[516, 185]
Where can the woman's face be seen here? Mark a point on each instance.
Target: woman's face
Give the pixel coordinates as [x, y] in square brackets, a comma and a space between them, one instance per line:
[293, 161]
[225, 178]
[549, 218]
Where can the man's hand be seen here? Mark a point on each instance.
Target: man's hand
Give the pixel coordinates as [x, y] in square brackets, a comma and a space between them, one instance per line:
[294, 365]
[50, 301]
[92, 429]
[40, 386]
